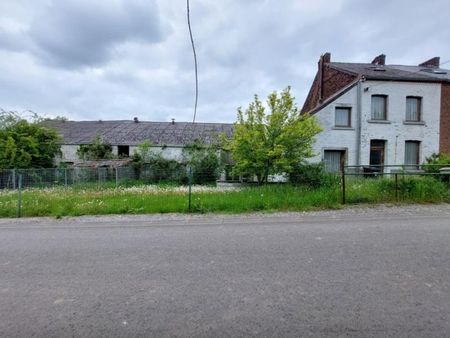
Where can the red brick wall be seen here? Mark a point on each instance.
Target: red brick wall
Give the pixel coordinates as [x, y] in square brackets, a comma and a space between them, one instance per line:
[444, 146]
[313, 96]
[333, 81]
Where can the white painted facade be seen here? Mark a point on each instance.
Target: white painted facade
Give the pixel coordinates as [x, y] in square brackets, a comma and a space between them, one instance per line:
[69, 152]
[395, 131]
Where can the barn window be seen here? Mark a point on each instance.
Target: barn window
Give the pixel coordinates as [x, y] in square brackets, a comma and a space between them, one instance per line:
[123, 151]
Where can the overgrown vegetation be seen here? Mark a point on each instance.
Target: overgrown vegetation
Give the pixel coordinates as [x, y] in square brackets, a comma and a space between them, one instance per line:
[436, 162]
[91, 200]
[271, 142]
[25, 144]
[204, 160]
[312, 175]
[97, 150]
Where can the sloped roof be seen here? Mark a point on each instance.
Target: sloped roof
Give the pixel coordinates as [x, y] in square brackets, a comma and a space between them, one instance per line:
[126, 132]
[393, 72]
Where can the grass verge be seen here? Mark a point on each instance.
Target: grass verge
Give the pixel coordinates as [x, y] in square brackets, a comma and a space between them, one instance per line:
[79, 201]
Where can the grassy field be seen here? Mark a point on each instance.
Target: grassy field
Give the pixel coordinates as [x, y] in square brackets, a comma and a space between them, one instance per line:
[60, 201]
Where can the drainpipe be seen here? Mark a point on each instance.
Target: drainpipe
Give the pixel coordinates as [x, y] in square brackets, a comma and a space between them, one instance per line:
[358, 119]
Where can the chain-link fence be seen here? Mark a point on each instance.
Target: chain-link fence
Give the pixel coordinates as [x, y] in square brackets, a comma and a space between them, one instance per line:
[153, 189]
[395, 183]
[81, 190]
[101, 176]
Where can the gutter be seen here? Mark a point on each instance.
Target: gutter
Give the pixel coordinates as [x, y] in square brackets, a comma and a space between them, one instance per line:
[358, 119]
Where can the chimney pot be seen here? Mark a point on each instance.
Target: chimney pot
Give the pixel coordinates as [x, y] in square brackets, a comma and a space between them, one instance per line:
[173, 121]
[431, 63]
[136, 120]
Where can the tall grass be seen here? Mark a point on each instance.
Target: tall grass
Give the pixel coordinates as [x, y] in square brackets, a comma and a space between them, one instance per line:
[78, 201]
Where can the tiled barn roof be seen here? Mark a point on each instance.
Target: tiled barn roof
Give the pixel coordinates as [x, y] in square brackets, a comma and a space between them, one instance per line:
[126, 132]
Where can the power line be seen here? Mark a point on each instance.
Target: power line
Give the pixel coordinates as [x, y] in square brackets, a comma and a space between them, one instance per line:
[195, 60]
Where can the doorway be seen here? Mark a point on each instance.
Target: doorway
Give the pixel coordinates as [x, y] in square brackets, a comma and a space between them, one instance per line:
[377, 153]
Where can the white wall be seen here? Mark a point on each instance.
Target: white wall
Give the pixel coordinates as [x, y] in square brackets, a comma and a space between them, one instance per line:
[69, 152]
[336, 138]
[395, 132]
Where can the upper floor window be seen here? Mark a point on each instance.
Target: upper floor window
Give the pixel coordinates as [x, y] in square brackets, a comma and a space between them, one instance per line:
[413, 109]
[379, 107]
[343, 117]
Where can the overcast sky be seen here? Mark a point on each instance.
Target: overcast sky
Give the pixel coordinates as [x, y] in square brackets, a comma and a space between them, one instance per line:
[116, 59]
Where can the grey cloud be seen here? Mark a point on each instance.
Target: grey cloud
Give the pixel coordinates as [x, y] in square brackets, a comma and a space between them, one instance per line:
[83, 33]
[139, 60]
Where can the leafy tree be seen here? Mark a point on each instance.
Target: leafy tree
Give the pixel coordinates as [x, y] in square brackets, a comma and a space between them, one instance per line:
[270, 143]
[26, 144]
[97, 150]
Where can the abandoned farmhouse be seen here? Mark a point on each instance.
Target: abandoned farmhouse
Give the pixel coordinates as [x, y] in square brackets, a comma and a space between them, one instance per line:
[167, 138]
[371, 114]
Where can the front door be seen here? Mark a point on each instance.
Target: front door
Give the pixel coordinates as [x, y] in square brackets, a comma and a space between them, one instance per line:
[377, 150]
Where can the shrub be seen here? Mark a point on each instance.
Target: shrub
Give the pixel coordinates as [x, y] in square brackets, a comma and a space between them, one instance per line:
[205, 162]
[437, 161]
[312, 175]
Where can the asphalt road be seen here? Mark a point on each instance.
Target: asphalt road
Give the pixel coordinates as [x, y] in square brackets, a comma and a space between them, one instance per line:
[359, 273]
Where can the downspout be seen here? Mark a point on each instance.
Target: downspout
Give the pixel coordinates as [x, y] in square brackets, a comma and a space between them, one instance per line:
[358, 119]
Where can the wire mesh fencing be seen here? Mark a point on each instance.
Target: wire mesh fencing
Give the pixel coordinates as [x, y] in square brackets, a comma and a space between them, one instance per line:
[101, 190]
[395, 183]
[153, 189]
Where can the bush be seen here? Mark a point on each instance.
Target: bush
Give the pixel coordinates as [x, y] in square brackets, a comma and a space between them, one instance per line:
[437, 161]
[205, 162]
[312, 175]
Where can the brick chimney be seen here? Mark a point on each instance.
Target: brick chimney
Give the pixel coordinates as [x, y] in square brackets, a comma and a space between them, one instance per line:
[380, 60]
[431, 63]
[325, 58]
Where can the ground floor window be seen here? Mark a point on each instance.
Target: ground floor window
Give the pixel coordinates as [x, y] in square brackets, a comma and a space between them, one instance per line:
[412, 154]
[334, 160]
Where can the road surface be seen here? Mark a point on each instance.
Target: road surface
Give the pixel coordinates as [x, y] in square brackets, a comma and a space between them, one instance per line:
[382, 272]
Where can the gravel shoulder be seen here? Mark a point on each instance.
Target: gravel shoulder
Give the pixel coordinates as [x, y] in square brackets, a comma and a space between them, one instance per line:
[354, 212]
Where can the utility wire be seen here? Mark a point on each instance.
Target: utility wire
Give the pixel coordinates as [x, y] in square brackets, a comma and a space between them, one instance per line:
[195, 61]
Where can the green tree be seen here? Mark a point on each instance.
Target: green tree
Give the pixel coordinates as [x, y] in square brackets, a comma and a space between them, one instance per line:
[97, 150]
[26, 144]
[270, 143]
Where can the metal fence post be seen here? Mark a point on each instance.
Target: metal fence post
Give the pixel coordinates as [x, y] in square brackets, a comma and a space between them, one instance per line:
[19, 197]
[14, 179]
[343, 185]
[190, 188]
[117, 176]
[396, 187]
[65, 177]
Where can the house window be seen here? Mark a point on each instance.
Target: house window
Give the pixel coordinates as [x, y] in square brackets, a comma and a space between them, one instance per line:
[343, 117]
[412, 154]
[123, 151]
[379, 107]
[334, 160]
[413, 109]
[377, 152]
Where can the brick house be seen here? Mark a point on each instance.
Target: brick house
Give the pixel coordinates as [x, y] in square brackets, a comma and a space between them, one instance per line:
[379, 114]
